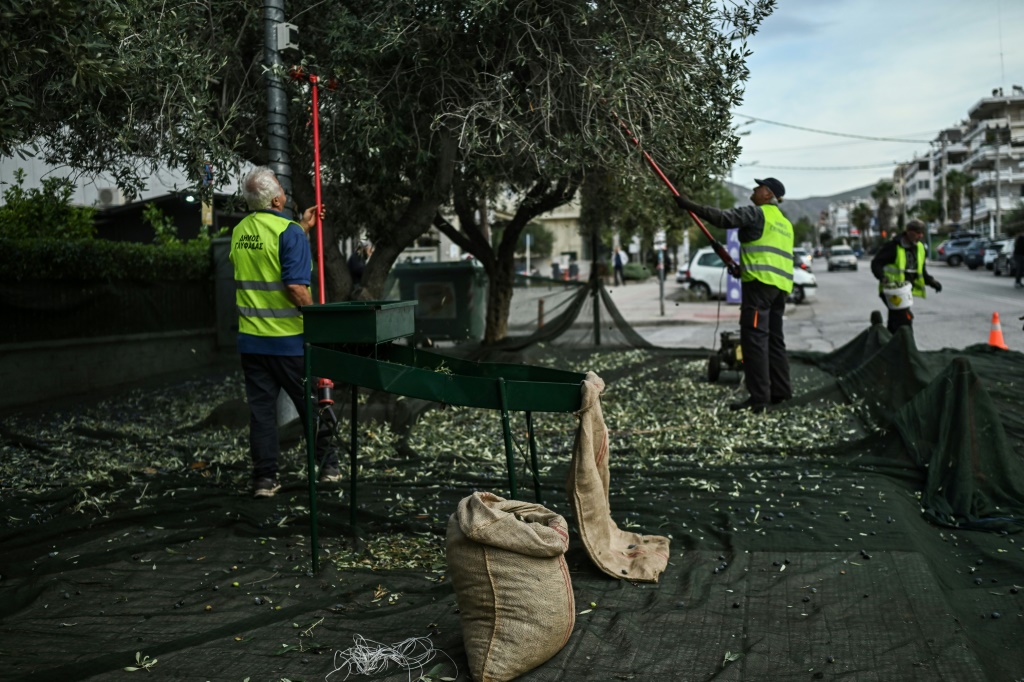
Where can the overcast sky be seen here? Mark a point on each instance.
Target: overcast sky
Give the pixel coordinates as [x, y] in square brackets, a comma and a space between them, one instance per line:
[887, 68]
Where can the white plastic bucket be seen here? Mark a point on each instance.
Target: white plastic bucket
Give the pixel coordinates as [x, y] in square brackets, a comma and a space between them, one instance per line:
[899, 296]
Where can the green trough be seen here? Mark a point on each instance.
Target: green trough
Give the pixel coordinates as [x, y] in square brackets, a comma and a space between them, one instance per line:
[351, 343]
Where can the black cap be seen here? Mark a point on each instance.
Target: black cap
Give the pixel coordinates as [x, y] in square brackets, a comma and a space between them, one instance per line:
[774, 185]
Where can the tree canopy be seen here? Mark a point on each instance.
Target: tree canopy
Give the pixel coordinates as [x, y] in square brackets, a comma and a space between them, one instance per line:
[433, 106]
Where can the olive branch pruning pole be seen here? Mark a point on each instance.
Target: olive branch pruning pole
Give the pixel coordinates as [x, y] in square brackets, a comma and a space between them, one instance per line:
[723, 253]
[300, 74]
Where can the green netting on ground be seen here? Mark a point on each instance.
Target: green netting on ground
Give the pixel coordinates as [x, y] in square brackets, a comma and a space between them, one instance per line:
[584, 317]
[836, 538]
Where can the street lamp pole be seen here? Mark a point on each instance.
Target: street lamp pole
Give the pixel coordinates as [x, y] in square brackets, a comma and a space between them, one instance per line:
[999, 190]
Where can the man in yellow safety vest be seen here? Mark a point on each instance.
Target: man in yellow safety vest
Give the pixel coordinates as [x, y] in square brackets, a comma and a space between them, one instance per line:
[899, 260]
[766, 260]
[273, 265]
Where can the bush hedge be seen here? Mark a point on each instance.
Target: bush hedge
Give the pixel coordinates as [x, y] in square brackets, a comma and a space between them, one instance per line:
[637, 271]
[100, 260]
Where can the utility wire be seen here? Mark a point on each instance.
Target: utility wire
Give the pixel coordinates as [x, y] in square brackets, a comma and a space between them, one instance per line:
[831, 132]
[876, 166]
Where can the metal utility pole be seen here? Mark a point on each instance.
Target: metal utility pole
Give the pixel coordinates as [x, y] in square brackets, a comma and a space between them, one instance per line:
[945, 187]
[903, 197]
[277, 100]
[997, 227]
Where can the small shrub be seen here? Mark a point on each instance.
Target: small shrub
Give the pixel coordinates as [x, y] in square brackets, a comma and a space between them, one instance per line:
[637, 271]
[100, 260]
[43, 212]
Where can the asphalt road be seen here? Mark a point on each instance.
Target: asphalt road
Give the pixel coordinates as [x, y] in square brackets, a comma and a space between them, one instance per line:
[960, 316]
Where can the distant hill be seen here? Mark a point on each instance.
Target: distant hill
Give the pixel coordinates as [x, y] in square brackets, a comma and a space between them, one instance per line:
[811, 208]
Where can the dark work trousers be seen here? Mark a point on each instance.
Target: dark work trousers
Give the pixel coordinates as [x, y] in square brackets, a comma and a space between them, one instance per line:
[765, 363]
[1018, 266]
[265, 376]
[898, 318]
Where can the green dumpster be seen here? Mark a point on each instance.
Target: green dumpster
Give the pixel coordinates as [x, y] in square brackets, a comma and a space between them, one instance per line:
[452, 298]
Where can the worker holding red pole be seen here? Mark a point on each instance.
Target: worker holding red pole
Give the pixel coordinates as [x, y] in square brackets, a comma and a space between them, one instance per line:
[766, 255]
[272, 263]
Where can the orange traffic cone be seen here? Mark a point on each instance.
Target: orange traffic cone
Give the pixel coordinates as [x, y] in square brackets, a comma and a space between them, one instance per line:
[995, 337]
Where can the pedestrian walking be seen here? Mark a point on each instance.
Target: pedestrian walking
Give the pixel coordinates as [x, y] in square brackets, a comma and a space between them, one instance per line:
[900, 260]
[766, 261]
[618, 265]
[357, 263]
[272, 263]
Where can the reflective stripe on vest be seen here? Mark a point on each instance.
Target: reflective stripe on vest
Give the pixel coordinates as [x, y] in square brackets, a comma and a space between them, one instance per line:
[769, 259]
[897, 270]
[259, 286]
[263, 307]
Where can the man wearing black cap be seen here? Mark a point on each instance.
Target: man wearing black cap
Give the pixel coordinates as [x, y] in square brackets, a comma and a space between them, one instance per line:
[766, 260]
[900, 260]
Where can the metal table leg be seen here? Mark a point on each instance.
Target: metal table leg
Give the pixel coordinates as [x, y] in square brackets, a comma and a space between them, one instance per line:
[507, 431]
[311, 463]
[353, 463]
[532, 440]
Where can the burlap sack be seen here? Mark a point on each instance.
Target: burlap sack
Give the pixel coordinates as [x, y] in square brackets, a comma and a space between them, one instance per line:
[618, 553]
[506, 560]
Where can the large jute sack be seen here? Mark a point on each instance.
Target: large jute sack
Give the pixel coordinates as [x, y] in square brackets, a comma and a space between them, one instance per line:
[507, 564]
[624, 555]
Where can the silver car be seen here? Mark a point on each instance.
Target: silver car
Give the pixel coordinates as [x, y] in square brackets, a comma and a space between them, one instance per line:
[842, 258]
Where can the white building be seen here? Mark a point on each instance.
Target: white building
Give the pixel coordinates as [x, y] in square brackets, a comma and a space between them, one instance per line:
[988, 145]
[995, 138]
[920, 178]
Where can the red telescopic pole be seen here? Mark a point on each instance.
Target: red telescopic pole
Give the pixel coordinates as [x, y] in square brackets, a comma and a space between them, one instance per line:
[313, 82]
[730, 264]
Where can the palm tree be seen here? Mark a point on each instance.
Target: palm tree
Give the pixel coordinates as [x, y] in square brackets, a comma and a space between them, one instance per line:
[927, 210]
[881, 194]
[861, 216]
[959, 186]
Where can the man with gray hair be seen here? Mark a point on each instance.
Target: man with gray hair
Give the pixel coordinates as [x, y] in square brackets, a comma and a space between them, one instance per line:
[273, 264]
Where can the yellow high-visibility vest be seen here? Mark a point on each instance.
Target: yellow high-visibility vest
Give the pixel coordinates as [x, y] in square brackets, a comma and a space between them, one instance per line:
[263, 307]
[770, 258]
[897, 270]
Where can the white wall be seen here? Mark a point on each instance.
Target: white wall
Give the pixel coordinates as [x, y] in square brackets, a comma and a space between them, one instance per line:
[88, 186]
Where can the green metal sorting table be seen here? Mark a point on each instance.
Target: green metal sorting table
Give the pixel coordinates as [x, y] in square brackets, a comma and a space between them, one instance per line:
[351, 343]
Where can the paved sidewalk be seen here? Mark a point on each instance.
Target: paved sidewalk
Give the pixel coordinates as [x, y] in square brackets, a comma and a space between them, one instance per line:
[639, 304]
[698, 324]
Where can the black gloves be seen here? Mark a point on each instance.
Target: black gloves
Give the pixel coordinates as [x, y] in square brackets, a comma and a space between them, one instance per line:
[681, 201]
[935, 285]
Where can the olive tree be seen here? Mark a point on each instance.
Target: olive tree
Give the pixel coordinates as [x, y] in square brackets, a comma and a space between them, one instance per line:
[438, 106]
[531, 91]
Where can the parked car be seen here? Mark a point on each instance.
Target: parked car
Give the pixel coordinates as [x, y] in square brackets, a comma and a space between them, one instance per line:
[842, 258]
[952, 250]
[706, 274]
[683, 274]
[974, 253]
[802, 256]
[993, 251]
[1004, 264]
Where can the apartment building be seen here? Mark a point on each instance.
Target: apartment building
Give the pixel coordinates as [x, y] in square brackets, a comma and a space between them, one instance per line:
[995, 140]
[920, 179]
[988, 146]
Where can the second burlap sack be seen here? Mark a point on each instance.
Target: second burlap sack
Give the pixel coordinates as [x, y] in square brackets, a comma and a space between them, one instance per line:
[507, 564]
[618, 553]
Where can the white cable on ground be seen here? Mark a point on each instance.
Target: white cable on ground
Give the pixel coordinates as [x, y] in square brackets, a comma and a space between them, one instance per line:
[369, 658]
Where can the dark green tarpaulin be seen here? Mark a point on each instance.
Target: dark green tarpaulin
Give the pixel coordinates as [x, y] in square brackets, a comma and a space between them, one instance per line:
[889, 554]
